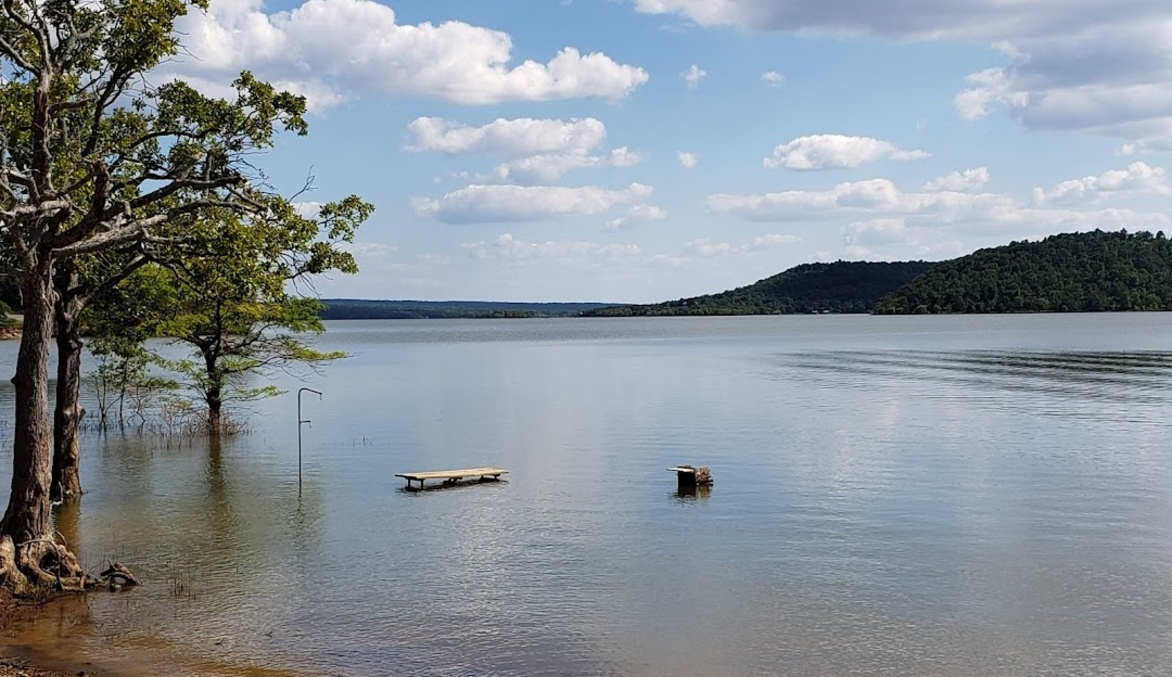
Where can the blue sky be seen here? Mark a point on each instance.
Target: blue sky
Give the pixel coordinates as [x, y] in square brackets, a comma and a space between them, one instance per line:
[644, 150]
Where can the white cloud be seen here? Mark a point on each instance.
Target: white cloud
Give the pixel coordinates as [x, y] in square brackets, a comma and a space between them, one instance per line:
[368, 250]
[835, 151]
[987, 87]
[968, 181]
[499, 203]
[773, 78]
[1138, 179]
[543, 150]
[872, 239]
[308, 210]
[550, 168]
[693, 76]
[508, 247]
[517, 137]
[705, 248]
[910, 155]
[879, 231]
[687, 160]
[1112, 79]
[1091, 66]
[646, 212]
[328, 48]
[978, 20]
[874, 195]
[880, 201]
[772, 240]
[434, 259]
[639, 212]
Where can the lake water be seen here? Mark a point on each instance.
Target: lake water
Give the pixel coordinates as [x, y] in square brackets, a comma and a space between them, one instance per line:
[985, 495]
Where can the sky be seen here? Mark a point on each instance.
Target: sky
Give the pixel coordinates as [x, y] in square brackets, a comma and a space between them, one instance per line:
[647, 150]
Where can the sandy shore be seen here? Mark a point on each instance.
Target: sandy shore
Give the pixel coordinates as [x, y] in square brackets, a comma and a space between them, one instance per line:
[12, 664]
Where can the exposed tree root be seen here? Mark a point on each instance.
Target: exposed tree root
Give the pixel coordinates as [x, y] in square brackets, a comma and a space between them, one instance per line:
[44, 566]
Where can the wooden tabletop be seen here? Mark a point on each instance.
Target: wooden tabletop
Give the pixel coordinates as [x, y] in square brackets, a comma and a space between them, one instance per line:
[451, 474]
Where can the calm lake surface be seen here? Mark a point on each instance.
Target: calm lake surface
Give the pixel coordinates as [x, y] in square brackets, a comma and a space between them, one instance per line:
[985, 495]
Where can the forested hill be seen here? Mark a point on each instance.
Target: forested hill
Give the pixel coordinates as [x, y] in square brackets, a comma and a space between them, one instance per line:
[363, 309]
[1064, 273]
[840, 287]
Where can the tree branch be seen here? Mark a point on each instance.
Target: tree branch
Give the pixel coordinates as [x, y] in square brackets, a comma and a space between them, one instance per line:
[9, 51]
[10, 11]
[127, 232]
[117, 278]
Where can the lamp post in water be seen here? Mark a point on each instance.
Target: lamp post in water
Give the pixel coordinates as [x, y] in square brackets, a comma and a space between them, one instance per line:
[300, 422]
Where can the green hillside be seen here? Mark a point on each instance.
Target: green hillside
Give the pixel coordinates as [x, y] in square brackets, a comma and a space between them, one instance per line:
[840, 287]
[1072, 272]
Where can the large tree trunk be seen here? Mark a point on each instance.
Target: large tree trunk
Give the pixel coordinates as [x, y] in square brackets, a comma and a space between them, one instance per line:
[28, 516]
[66, 485]
[30, 556]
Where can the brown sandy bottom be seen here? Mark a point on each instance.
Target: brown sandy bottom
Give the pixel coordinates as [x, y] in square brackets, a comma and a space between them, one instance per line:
[25, 661]
[23, 667]
[38, 640]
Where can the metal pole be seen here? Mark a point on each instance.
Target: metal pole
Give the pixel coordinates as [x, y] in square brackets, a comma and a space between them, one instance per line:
[300, 422]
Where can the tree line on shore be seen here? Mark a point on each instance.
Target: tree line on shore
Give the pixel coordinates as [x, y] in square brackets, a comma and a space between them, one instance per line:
[130, 210]
[368, 309]
[838, 287]
[1071, 272]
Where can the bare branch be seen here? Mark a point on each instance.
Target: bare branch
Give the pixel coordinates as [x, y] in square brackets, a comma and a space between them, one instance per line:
[41, 209]
[41, 33]
[115, 279]
[68, 105]
[114, 88]
[177, 185]
[111, 237]
[19, 178]
[10, 11]
[10, 52]
[128, 232]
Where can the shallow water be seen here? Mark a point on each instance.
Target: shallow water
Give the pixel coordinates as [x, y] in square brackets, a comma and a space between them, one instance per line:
[894, 496]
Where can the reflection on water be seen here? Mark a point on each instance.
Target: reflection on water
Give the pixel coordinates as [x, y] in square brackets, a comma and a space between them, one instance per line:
[1091, 375]
[693, 492]
[1098, 385]
[898, 496]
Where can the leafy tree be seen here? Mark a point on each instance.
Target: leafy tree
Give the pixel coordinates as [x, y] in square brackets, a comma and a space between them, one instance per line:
[120, 379]
[94, 158]
[233, 304]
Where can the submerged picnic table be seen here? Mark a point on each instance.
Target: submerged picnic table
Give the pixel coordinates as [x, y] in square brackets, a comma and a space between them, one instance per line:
[451, 477]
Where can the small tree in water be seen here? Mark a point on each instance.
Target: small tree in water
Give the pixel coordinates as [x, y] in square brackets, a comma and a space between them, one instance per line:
[235, 305]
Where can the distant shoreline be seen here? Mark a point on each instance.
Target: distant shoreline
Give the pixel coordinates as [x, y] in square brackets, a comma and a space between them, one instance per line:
[366, 309]
[716, 315]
